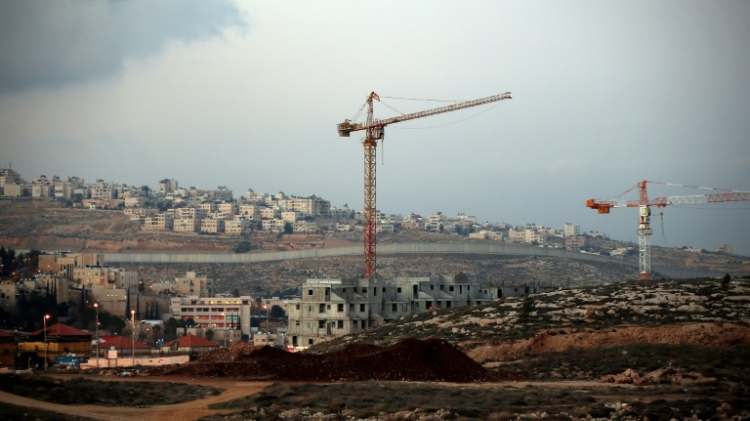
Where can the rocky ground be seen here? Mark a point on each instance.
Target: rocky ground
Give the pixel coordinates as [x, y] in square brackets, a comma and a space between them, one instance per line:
[700, 312]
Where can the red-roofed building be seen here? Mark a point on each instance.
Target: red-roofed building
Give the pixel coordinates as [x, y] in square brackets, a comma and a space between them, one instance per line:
[189, 343]
[124, 346]
[7, 349]
[61, 340]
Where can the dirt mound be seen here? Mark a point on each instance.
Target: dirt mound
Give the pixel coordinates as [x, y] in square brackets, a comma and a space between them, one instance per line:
[433, 360]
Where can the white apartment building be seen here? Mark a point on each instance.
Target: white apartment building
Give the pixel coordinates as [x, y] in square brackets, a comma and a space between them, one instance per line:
[335, 307]
[214, 312]
[571, 230]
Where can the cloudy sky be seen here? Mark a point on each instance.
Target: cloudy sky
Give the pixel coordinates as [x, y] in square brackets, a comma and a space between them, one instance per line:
[247, 94]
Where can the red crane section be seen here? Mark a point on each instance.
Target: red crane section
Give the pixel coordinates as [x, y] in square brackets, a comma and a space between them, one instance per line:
[644, 217]
[375, 131]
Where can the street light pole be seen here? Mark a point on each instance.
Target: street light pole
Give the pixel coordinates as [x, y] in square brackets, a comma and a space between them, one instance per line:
[46, 316]
[265, 307]
[132, 345]
[96, 307]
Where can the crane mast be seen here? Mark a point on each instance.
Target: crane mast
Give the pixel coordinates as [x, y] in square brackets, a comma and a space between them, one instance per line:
[644, 213]
[375, 132]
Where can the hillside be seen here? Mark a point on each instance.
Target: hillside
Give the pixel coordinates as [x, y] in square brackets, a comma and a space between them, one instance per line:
[697, 312]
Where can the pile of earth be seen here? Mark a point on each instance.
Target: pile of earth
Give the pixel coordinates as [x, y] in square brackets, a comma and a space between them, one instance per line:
[433, 360]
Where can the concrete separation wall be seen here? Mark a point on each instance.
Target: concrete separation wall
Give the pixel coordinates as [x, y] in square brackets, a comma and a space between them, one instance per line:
[500, 249]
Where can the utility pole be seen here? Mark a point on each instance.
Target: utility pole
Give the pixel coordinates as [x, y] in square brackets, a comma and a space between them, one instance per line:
[132, 346]
[96, 307]
[46, 316]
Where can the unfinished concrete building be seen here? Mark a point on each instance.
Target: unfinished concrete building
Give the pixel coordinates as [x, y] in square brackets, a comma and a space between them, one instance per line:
[335, 307]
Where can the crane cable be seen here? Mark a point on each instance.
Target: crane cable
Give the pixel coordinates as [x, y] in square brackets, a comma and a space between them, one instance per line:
[661, 214]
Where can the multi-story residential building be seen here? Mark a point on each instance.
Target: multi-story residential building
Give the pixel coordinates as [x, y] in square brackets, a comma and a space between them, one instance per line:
[8, 296]
[102, 190]
[726, 249]
[289, 216]
[514, 290]
[571, 230]
[159, 222]
[251, 212]
[305, 227]
[227, 208]
[516, 235]
[212, 226]
[209, 207]
[192, 213]
[214, 312]
[308, 205]
[186, 225]
[168, 186]
[106, 277]
[272, 225]
[270, 213]
[237, 227]
[412, 222]
[334, 307]
[16, 190]
[533, 236]
[134, 202]
[8, 176]
[575, 243]
[191, 284]
[436, 222]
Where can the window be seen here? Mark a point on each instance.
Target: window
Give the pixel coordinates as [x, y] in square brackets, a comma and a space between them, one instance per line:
[296, 306]
[340, 324]
[451, 288]
[321, 308]
[310, 341]
[432, 287]
[361, 307]
[340, 308]
[398, 290]
[309, 309]
[394, 307]
[321, 324]
[364, 290]
[309, 292]
[296, 322]
[375, 292]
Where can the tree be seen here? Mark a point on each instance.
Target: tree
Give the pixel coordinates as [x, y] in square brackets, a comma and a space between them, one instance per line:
[288, 228]
[461, 278]
[527, 307]
[242, 247]
[210, 335]
[277, 312]
[725, 281]
[235, 292]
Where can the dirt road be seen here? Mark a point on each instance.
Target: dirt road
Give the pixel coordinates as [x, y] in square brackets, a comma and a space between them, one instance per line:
[186, 411]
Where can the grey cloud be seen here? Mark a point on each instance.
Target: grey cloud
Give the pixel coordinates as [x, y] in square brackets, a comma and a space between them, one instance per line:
[50, 44]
